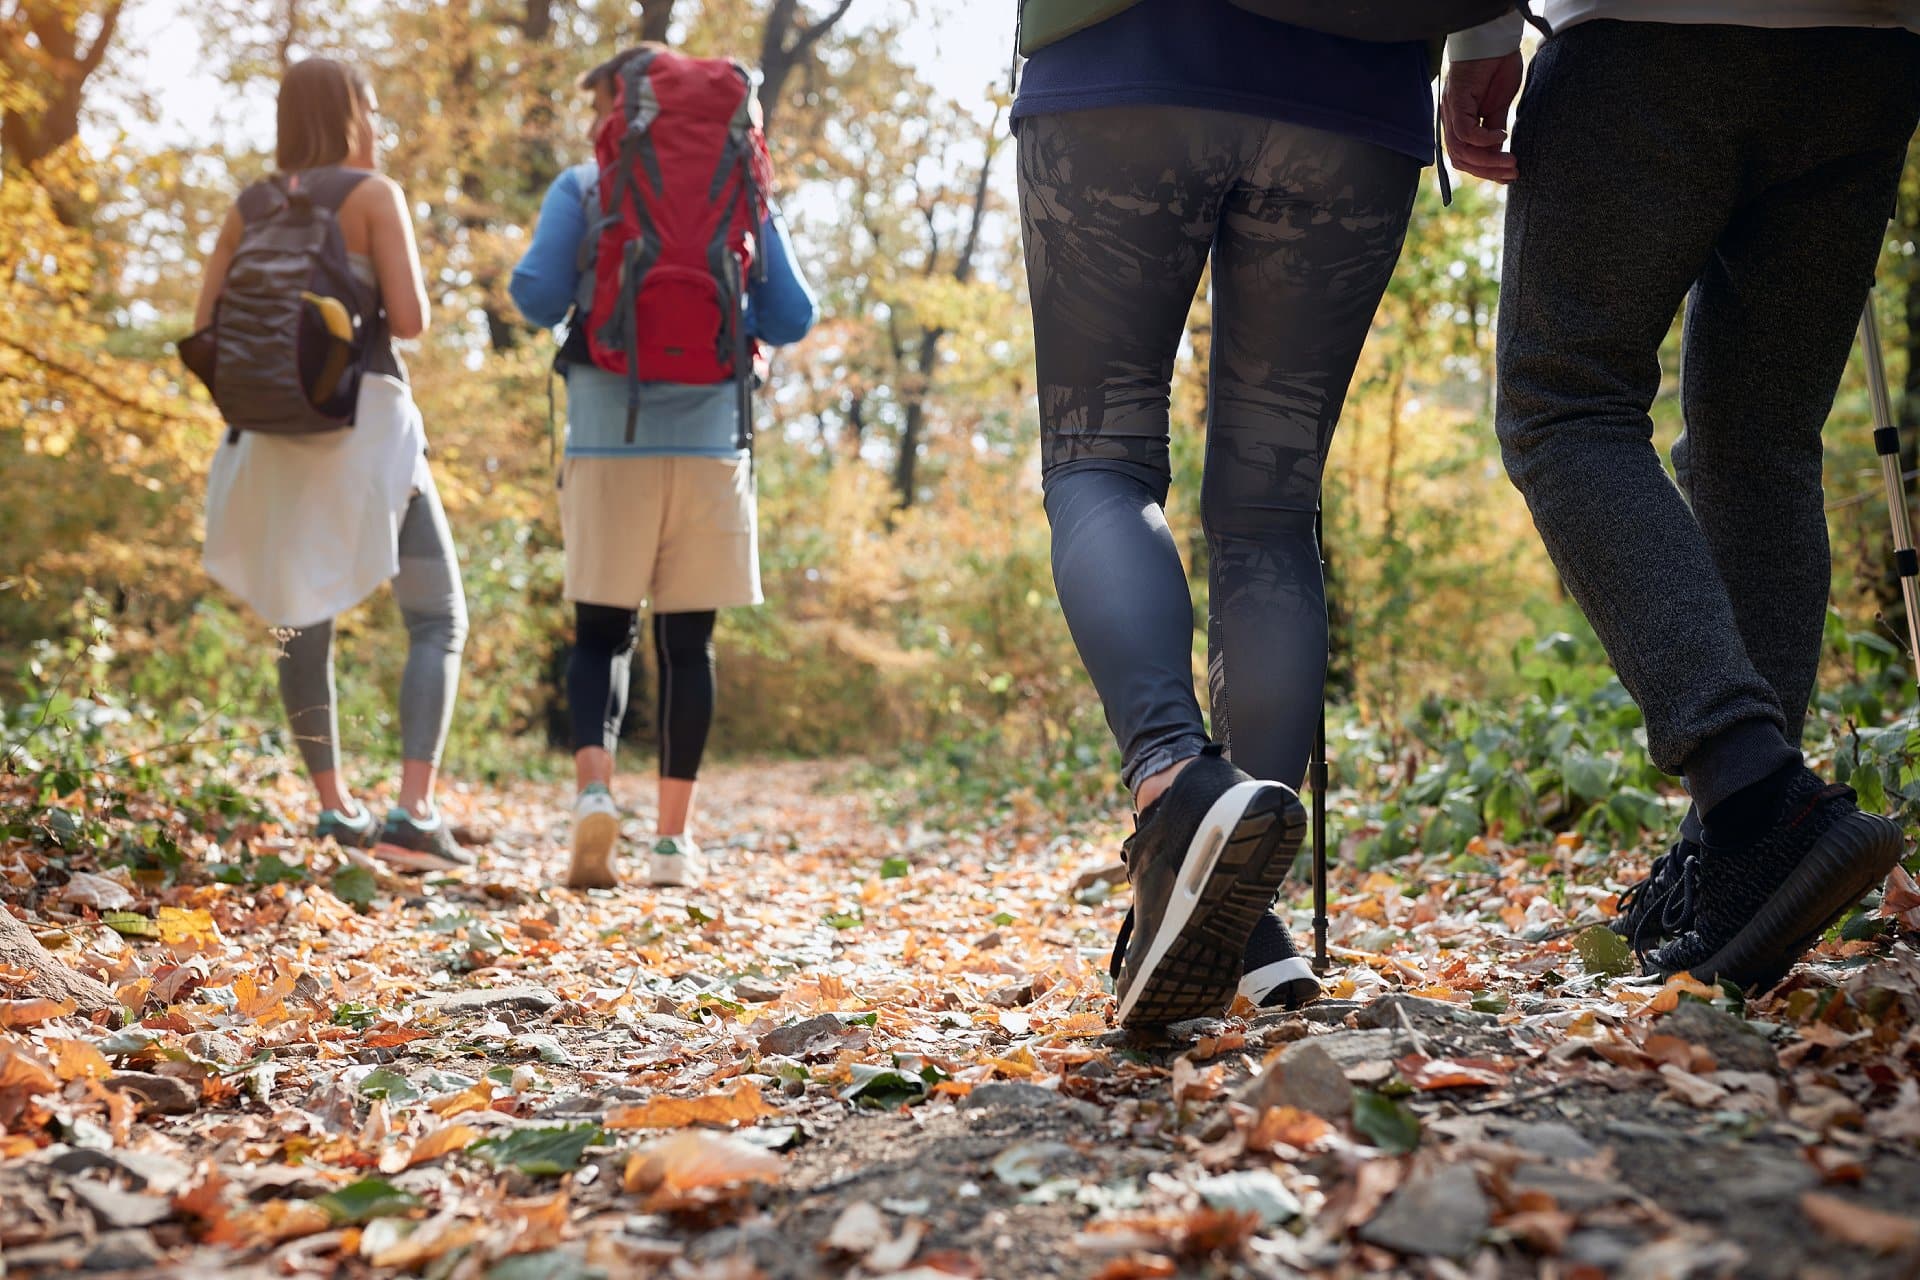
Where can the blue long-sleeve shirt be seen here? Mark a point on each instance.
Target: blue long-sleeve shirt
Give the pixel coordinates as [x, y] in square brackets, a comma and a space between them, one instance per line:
[675, 418]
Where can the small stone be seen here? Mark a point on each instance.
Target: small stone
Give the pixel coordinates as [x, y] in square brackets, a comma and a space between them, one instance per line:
[162, 1094]
[530, 999]
[1351, 1048]
[1011, 1094]
[211, 1046]
[1551, 1139]
[1094, 1069]
[797, 1039]
[1442, 1214]
[1303, 1076]
[123, 1251]
[1569, 1190]
[117, 1208]
[1735, 1046]
[1421, 1012]
[757, 990]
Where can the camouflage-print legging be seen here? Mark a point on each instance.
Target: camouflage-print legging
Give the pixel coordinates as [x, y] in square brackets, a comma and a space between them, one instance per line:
[1120, 208]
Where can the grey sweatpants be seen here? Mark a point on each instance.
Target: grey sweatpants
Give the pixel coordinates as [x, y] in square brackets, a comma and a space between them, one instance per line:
[1121, 208]
[1750, 173]
[434, 607]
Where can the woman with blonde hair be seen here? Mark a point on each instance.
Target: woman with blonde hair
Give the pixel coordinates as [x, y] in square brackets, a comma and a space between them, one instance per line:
[303, 526]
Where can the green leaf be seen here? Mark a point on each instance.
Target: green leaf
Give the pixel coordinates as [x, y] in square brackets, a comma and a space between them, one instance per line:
[130, 924]
[540, 1151]
[1603, 951]
[549, 1264]
[895, 868]
[1489, 1002]
[1000, 918]
[367, 1199]
[384, 1082]
[357, 1016]
[894, 1086]
[1389, 1125]
[844, 919]
[698, 916]
[271, 870]
[354, 885]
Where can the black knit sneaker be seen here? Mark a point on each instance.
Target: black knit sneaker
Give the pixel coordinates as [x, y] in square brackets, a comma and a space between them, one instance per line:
[414, 844]
[1205, 866]
[1657, 910]
[1276, 976]
[1756, 908]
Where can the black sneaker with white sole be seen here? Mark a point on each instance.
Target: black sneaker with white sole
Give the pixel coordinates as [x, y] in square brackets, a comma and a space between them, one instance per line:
[1756, 908]
[1205, 864]
[1272, 974]
[1275, 975]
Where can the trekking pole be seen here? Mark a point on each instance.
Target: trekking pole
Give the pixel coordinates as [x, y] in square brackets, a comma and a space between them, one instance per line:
[1886, 442]
[1317, 774]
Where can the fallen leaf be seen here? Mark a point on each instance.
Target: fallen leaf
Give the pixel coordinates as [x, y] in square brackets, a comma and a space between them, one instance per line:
[193, 928]
[1287, 1126]
[697, 1166]
[476, 1097]
[1451, 1073]
[78, 1060]
[743, 1104]
[33, 1011]
[1857, 1225]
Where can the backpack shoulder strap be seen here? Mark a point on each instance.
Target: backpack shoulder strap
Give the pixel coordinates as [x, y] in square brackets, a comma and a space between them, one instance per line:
[262, 199]
[330, 185]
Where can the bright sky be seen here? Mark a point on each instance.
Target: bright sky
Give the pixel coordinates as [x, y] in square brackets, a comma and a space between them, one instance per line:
[961, 55]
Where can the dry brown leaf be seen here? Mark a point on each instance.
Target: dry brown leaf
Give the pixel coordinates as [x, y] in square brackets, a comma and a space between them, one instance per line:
[1139, 1266]
[1287, 1126]
[434, 1238]
[1902, 900]
[696, 1166]
[1451, 1073]
[742, 1104]
[1683, 1054]
[479, 1097]
[193, 928]
[1857, 1225]
[78, 1060]
[263, 1007]
[1667, 999]
[33, 1011]
[278, 1220]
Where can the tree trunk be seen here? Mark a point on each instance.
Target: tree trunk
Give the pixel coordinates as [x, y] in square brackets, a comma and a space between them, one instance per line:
[928, 357]
[51, 979]
[56, 67]
[780, 55]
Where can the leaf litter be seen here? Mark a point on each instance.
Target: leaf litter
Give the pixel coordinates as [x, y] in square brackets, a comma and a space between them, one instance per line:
[867, 1049]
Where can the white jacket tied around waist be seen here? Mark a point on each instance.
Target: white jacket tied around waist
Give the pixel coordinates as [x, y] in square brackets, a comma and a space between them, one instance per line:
[302, 528]
[1502, 35]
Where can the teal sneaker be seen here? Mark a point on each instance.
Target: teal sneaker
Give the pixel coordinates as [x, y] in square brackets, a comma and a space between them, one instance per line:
[349, 831]
[414, 844]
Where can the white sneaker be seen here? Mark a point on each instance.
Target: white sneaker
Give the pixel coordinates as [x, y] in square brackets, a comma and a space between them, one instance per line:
[596, 827]
[676, 861]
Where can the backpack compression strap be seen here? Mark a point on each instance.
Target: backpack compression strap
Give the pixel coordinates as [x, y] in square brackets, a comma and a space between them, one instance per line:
[637, 153]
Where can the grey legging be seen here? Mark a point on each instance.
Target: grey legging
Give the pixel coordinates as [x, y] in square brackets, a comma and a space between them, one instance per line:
[1121, 208]
[431, 601]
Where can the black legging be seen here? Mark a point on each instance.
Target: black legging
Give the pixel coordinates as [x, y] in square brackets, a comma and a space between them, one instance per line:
[598, 677]
[1121, 209]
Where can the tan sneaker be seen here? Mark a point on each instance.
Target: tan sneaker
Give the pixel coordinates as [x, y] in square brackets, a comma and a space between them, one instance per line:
[676, 862]
[596, 829]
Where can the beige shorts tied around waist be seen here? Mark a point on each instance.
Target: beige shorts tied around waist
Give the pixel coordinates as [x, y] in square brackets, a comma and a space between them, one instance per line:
[677, 533]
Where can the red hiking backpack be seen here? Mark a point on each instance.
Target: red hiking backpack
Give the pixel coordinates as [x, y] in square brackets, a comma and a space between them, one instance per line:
[682, 192]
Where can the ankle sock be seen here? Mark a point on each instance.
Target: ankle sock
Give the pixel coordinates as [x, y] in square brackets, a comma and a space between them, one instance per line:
[1746, 814]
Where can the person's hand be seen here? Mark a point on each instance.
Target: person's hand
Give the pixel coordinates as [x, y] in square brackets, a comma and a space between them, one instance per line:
[1473, 114]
